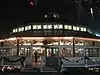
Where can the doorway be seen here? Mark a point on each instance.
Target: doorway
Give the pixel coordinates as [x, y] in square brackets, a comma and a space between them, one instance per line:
[52, 56]
[52, 50]
[37, 52]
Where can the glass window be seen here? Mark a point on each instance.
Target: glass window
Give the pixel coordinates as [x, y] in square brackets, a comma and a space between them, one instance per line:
[15, 30]
[13, 52]
[34, 27]
[28, 27]
[25, 51]
[39, 27]
[95, 52]
[52, 51]
[49, 26]
[68, 27]
[79, 52]
[59, 26]
[8, 51]
[55, 42]
[78, 28]
[21, 29]
[45, 27]
[66, 42]
[66, 52]
[56, 27]
[79, 42]
[75, 28]
[98, 52]
[91, 52]
[82, 29]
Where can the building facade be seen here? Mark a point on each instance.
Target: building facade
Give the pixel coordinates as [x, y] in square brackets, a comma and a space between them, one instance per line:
[59, 38]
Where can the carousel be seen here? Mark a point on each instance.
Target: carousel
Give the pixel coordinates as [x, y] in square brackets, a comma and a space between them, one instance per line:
[51, 46]
[70, 43]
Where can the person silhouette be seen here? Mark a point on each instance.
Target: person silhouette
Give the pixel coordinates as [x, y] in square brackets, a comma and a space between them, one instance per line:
[36, 59]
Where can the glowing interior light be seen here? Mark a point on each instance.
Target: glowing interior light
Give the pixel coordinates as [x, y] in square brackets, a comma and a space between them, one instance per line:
[84, 29]
[46, 16]
[45, 27]
[87, 39]
[39, 27]
[36, 48]
[49, 26]
[2, 40]
[38, 43]
[67, 27]
[21, 29]
[15, 30]
[56, 27]
[77, 28]
[34, 27]
[28, 27]
[61, 26]
[11, 39]
[54, 15]
[74, 28]
[27, 44]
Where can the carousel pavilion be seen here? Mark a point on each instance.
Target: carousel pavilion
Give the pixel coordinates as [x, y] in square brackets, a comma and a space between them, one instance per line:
[63, 39]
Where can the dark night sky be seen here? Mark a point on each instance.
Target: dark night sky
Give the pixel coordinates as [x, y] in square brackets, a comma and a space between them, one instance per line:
[16, 12]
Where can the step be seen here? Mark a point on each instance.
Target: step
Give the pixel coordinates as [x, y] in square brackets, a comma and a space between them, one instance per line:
[50, 68]
[30, 69]
[49, 71]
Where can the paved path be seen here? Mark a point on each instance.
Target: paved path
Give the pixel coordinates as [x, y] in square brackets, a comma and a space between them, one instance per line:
[18, 73]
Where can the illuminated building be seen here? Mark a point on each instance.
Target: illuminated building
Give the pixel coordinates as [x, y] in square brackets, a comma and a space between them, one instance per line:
[69, 40]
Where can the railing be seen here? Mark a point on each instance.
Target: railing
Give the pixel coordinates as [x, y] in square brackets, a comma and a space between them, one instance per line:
[12, 61]
[76, 61]
[80, 61]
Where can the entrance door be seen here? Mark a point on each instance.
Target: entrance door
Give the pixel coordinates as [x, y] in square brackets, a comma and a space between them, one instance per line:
[36, 55]
[51, 55]
[52, 51]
